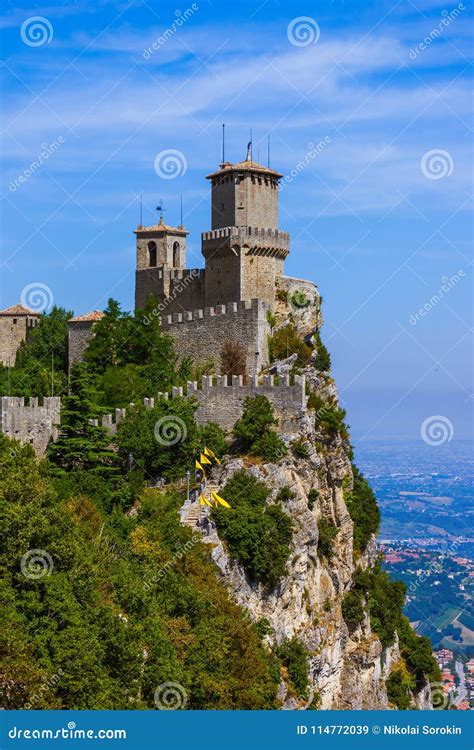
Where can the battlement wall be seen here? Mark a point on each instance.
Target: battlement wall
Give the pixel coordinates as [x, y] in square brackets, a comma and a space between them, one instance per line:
[256, 239]
[174, 289]
[31, 423]
[222, 401]
[200, 334]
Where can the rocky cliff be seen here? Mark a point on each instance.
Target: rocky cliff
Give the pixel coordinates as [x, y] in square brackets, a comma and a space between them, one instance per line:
[348, 668]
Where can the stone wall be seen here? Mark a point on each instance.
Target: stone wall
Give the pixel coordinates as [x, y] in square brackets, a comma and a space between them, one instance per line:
[31, 423]
[200, 334]
[244, 199]
[175, 290]
[223, 402]
[79, 334]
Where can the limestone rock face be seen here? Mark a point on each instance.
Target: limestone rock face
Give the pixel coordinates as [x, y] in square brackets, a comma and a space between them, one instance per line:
[346, 671]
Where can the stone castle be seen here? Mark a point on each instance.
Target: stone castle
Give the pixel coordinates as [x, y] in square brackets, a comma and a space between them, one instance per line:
[203, 309]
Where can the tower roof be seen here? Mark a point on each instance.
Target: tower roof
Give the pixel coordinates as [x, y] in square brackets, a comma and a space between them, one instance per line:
[244, 166]
[92, 317]
[161, 227]
[19, 310]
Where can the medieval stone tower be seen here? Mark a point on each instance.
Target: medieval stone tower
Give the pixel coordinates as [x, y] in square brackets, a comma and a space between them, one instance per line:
[244, 252]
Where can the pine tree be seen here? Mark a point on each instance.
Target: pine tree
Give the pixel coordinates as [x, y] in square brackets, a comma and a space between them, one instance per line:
[81, 445]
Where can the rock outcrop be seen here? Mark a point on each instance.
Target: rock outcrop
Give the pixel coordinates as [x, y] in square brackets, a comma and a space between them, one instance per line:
[346, 670]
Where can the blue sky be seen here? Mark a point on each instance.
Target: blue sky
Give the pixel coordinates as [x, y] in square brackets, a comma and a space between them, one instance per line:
[379, 219]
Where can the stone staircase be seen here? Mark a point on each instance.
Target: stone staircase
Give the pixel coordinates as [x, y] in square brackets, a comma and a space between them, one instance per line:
[196, 511]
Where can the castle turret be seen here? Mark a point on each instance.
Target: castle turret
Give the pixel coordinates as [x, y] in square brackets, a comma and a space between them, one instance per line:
[15, 324]
[161, 250]
[245, 250]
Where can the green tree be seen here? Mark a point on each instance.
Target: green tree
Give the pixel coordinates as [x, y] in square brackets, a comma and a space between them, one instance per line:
[81, 445]
[362, 506]
[285, 342]
[257, 535]
[253, 432]
[162, 440]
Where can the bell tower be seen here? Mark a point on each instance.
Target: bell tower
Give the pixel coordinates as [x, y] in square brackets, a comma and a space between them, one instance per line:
[244, 250]
[161, 251]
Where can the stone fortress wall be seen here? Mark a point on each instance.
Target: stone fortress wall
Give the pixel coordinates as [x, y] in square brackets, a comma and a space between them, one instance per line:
[31, 423]
[223, 402]
[200, 334]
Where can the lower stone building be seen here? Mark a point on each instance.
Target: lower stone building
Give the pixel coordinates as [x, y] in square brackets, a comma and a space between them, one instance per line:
[15, 324]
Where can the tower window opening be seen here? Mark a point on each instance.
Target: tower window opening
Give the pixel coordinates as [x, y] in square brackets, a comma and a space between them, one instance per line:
[152, 253]
[176, 254]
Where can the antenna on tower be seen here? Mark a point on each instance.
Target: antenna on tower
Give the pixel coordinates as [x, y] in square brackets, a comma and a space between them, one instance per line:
[141, 209]
[268, 150]
[223, 143]
[251, 146]
[181, 221]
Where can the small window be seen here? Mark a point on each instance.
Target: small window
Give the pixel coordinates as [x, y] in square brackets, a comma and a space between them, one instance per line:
[15, 320]
[176, 254]
[152, 253]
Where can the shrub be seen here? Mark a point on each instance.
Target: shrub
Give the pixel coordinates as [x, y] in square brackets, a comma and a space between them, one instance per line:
[294, 656]
[256, 534]
[313, 496]
[285, 342]
[233, 359]
[329, 416]
[300, 449]
[285, 494]
[327, 533]
[322, 360]
[269, 446]
[327, 606]
[353, 609]
[399, 686]
[362, 506]
[253, 431]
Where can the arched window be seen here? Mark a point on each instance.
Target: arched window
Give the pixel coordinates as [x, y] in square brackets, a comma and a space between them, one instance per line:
[176, 254]
[152, 253]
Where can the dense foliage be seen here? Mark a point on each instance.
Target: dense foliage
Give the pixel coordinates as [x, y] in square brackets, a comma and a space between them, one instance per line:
[363, 509]
[294, 657]
[253, 430]
[329, 417]
[257, 535]
[41, 363]
[126, 603]
[285, 342]
[327, 533]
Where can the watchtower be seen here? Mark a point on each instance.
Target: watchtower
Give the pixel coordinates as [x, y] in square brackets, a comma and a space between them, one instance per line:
[245, 250]
[161, 251]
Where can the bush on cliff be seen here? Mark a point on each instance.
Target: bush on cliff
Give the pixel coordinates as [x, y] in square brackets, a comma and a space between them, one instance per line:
[253, 430]
[285, 342]
[362, 506]
[294, 656]
[256, 534]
